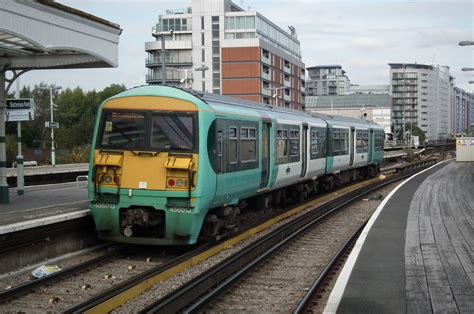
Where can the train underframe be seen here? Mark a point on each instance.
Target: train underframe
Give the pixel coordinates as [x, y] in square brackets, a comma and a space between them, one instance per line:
[221, 221]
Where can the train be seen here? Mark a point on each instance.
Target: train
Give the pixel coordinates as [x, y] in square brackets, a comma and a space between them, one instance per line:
[170, 166]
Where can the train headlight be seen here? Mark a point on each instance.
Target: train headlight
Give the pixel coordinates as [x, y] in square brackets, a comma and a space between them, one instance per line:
[107, 179]
[180, 183]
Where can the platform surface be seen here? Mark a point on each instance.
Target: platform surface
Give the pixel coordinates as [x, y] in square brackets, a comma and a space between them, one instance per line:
[418, 256]
[43, 204]
[42, 170]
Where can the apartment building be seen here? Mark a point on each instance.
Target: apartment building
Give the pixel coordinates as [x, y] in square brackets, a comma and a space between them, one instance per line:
[216, 46]
[459, 110]
[374, 107]
[327, 80]
[421, 94]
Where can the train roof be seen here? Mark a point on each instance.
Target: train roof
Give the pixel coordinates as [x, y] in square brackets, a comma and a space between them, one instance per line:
[334, 119]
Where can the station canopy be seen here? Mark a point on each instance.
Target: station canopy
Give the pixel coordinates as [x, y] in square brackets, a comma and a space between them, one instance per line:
[45, 34]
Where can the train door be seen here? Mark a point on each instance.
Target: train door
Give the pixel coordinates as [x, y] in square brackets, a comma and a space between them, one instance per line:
[266, 126]
[371, 145]
[304, 153]
[351, 147]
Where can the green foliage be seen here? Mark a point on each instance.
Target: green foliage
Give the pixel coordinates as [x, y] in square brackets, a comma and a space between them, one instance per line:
[75, 110]
[410, 154]
[416, 132]
[11, 150]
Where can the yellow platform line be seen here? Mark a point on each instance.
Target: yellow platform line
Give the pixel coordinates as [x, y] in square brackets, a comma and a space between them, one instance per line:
[140, 288]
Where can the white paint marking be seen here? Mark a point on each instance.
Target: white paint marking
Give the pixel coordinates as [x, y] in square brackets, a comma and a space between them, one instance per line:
[44, 207]
[343, 279]
[43, 221]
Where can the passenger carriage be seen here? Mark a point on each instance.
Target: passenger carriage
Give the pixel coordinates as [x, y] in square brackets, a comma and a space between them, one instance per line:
[168, 165]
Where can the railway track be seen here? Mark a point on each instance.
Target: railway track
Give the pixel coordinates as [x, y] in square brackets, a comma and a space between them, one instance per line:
[66, 287]
[82, 295]
[271, 269]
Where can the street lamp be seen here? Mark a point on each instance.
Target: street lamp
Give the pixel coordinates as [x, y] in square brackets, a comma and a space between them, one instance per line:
[466, 43]
[163, 57]
[467, 69]
[53, 152]
[187, 79]
[275, 95]
[471, 82]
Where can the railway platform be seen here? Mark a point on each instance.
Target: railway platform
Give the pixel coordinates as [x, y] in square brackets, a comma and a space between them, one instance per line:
[416, 254]
[42, 205]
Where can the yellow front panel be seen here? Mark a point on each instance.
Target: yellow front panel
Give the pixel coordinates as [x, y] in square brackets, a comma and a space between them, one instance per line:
[150, 103]
[144, 172]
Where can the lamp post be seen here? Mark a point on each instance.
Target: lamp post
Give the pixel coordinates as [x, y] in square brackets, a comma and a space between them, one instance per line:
[467, 69]
[276, 89]
[187, 79]
[163, 52]
[53, 151]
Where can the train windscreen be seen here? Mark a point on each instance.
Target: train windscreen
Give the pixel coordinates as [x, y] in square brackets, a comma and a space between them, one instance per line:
[154, 131]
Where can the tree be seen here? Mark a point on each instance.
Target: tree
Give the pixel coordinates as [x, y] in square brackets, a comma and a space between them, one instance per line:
[416, 132]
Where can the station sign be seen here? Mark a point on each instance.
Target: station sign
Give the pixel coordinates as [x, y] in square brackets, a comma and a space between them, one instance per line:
[22, 109]
[52, 124]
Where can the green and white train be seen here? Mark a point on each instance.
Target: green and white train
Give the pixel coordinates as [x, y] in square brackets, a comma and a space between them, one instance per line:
[171, 166]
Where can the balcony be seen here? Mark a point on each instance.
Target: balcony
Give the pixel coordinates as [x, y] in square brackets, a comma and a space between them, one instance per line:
[266, 75]
[266, 58]
[152, 62]
[169, 45]
[170, 77]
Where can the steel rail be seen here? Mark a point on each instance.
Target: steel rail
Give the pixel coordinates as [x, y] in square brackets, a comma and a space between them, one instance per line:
[131, 282]
[316, 285]
[24, 288]
[209, 284]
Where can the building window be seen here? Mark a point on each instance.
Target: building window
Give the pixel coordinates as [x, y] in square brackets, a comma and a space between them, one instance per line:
[202, 22]
[202, 39]
[215, 19]
[287, 64]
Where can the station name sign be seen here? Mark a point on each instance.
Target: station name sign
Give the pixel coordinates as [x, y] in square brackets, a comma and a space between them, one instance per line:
[20, 110]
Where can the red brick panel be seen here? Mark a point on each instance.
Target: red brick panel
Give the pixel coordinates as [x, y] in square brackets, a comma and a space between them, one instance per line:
[234, 70]
[256, 98]
[278, 76]
[232, 87]
[277, 62]
[240, 54]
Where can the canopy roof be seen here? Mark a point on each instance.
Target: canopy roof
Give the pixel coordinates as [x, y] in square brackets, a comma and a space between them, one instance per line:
[45, 34]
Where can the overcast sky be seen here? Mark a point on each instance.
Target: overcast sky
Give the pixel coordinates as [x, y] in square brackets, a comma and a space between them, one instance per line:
[362, 36]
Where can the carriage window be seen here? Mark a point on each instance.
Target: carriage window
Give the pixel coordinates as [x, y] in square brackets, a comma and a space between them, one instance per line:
[318, 143]
[220, 152]
[362, 141]
[248, 144]
[232, 145]
[282, 144]
[340, 142]
[378, 141]
[294, 143]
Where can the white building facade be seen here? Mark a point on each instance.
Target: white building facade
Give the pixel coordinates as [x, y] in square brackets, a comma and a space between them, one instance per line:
[421, 94]
[327, 80]
[245, 54]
